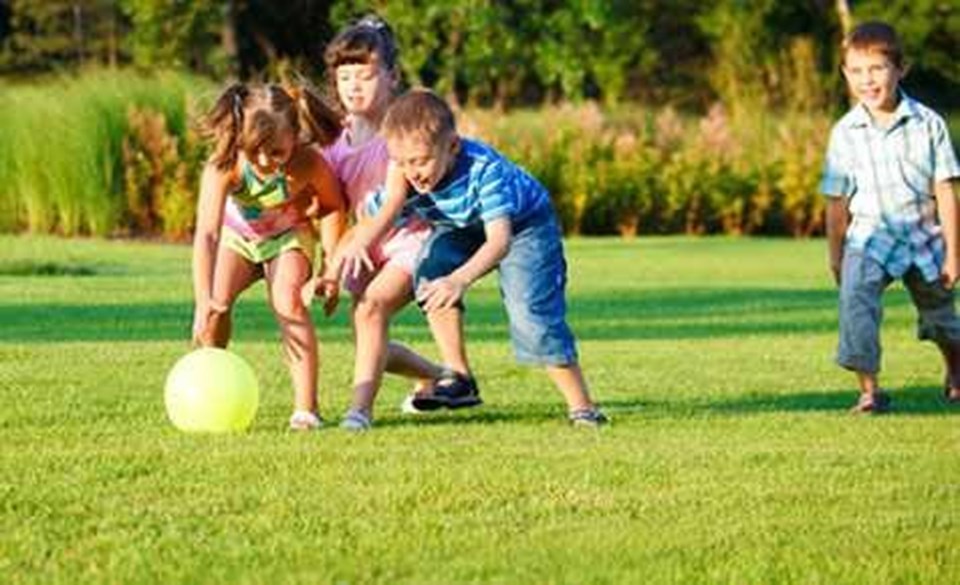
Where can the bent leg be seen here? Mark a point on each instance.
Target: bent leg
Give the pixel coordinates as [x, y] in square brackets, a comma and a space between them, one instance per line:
[938, 322]
[233, 275]
[286, 274]
[386, 294]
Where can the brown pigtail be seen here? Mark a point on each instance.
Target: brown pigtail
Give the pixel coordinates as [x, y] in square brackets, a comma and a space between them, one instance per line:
[321, 121]
[223, 125]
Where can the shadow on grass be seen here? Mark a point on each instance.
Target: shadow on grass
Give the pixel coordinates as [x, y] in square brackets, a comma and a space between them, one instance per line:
[617, 315]
[912, 400]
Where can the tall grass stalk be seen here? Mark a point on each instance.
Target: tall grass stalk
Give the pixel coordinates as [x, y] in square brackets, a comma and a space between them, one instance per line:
[61, 162]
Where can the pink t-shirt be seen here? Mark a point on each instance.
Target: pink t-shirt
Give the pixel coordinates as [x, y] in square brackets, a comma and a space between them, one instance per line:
[362, 170]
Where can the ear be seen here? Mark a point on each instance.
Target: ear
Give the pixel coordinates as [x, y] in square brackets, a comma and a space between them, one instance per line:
[454, 144]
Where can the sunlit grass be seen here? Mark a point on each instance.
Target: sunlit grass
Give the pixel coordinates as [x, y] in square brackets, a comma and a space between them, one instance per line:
[731, 458]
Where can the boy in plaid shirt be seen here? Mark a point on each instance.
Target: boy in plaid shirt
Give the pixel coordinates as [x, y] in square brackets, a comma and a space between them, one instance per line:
[892, 212]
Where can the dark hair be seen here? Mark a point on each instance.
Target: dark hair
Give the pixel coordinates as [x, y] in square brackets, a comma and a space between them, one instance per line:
[420, 111]
[365, 41]
[875, 36]
[245, 118]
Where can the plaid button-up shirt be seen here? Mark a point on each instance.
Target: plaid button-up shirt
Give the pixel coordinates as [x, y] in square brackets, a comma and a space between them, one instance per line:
[887, 175]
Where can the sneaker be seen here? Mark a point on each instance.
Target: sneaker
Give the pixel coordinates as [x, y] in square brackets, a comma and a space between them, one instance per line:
[875, 403]
[356, 421]
[304, 420]
[588, 418]
[452, 390]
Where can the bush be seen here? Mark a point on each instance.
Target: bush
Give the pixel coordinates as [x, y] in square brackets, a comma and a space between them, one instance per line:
[63, 166]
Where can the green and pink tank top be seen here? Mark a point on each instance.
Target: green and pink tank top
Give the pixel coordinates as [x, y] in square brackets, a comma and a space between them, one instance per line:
[262, 208]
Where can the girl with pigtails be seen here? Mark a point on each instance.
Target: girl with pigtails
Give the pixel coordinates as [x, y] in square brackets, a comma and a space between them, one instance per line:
[263, 185]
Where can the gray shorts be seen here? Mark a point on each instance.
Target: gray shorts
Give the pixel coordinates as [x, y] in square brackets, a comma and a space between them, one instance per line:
[862, 283]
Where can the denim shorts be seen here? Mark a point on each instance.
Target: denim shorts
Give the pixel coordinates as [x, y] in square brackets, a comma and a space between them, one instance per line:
[862, 283]
[533, 276]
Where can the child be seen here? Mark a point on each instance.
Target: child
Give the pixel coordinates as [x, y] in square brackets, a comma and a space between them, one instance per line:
[889, 167]
[488, 213]
[259, 190]
[362, 68]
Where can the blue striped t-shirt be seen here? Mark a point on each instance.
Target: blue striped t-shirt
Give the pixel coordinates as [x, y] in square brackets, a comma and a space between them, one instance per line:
[482, 186]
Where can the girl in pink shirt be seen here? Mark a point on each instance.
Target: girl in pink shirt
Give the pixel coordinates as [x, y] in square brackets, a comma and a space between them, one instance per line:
[362, 68]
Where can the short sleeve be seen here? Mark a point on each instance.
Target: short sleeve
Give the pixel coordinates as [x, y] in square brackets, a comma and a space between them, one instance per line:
[838, 178]
[945, 164]
[495, 191]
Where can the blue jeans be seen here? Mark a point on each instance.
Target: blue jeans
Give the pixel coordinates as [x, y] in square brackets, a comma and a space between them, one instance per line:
[533, 276]
[862, 282]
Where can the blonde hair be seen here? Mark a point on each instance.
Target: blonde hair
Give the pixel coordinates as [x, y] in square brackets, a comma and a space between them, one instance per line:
[420, 111]
[245, 118]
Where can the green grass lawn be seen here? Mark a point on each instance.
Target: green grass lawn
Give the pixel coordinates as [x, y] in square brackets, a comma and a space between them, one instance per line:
[731, 458]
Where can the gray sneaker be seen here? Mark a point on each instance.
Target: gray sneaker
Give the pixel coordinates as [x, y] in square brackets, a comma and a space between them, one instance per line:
[356, 421]
[590, 418]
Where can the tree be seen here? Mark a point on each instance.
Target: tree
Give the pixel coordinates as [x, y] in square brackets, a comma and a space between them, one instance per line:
[48, 33]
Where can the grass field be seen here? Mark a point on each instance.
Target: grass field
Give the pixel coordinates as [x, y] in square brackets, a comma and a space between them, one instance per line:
[731, 458]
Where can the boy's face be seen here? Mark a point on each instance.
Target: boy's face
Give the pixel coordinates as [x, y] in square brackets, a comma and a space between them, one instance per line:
[364, 88]
[872, 79]
[423, 164]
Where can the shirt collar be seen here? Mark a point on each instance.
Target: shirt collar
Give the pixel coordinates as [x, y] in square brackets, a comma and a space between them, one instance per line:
[907, 108]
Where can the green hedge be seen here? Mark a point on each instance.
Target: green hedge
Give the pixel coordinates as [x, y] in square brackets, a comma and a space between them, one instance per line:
[113, 153]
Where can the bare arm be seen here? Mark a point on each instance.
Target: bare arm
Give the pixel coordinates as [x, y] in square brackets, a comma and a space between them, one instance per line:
[837, 220]
[447, 291]
[333, 208]
[370, 229]
[947, 209]
[214, 186]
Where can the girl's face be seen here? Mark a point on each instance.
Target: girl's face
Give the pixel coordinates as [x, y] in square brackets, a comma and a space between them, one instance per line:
[274, 154]
[423, 164]
[364, 88]
[873, 79]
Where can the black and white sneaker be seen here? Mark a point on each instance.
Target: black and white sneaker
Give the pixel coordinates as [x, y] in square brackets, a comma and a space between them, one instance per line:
[452, 390]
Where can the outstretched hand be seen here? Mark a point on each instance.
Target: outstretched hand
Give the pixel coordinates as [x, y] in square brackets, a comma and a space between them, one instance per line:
[353, 258]
[441, 293]
[326, 288]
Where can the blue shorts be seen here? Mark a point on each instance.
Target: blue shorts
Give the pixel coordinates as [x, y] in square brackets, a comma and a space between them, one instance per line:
[862, 283]
[533, 276]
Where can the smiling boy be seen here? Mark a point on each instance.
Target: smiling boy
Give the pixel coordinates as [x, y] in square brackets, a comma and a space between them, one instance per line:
[488, 213]
[891, 214]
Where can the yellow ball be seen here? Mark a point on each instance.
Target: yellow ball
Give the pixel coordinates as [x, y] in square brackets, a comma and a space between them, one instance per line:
[211, 390]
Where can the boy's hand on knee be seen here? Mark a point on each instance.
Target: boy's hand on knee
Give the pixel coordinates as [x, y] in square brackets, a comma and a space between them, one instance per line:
[441, 293]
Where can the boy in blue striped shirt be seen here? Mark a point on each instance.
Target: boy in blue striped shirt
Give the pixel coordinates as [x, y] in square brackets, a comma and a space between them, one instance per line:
[488, 213]
[892, 212]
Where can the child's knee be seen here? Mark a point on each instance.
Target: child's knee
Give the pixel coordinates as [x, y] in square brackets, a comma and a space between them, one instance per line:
[288, 305]
[370, 310]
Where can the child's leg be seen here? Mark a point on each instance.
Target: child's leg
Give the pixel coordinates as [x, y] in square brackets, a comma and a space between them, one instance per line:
[233, 275]
[387, 293]
[862, 283]
[446, 325]
[286, 274]
[938, 322]
[569, 380]
[533, 277]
